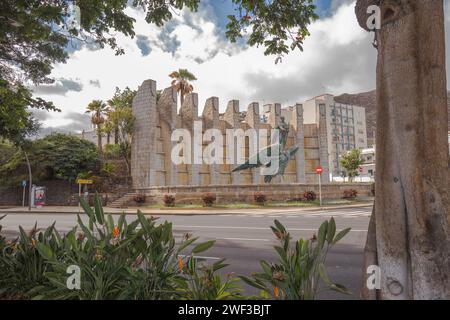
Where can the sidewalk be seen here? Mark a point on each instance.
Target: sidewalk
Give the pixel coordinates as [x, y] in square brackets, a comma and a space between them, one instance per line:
[174, 211]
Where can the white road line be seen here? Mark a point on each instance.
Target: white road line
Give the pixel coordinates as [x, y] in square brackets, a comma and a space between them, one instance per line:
[252, 228]
[245, 239]
[201, 257]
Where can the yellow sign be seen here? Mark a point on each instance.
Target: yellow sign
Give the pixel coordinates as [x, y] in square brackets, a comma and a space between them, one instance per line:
[84, 181]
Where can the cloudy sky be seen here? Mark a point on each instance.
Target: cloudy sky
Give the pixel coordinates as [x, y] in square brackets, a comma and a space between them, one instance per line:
[338, 58]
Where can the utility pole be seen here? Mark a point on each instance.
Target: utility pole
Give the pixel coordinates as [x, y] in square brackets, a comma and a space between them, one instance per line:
[30, 181]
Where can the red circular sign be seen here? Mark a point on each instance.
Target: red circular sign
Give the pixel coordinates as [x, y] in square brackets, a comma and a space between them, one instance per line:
[319, 170]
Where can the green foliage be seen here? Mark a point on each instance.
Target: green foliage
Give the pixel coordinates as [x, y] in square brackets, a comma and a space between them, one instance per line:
[2, 239]
[118, 260]
[140, 259]
[121, 118]
[55, 156]
[111, 151]
[183, 74]
[181, 82]
[202, 283]
[23, 267]
[279, 25]
[300, 266]
[350, 162]
[109, 169]
[16, 121]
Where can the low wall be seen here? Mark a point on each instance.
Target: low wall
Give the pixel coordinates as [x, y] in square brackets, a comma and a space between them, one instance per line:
[58, 193]
[245, 193]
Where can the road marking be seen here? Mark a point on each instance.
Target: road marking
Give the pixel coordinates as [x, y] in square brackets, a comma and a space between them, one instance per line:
[201, 257]
[245, 239]
[253, 228]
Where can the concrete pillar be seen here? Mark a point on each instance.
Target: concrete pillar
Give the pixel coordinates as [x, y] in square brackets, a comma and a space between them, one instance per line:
[210, 118]
[144, 139]
[299, 140]
[189, 114]
[253, 119]
[274, 115]
[167, 108]
[323, 144]
[231, 117]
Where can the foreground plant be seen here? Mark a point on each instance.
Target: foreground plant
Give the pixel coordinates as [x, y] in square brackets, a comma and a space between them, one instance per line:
[301, 265]
[22, 267]
[141, 260]
[201, 281]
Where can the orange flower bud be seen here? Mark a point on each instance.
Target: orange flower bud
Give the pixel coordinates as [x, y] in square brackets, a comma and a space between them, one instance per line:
[116, 232]
[180, 263]
[276, 292]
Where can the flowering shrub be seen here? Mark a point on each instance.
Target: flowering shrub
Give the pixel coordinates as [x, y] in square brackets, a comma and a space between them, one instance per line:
[169, 200]
[139, 198]
[310, 196]
[260, 198]
[140, 260]
[208, 199]
[350, 194]
[22, 267]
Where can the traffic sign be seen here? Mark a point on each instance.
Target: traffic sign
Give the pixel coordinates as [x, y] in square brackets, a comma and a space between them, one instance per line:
[24, 183]
[319, 170]
[361, 169]
[85, 181]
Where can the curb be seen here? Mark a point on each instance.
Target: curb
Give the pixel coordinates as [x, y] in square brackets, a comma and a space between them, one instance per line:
[175, 212]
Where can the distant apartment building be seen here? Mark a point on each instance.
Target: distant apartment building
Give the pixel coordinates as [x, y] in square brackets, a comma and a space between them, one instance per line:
[345, 127]
[90, 136]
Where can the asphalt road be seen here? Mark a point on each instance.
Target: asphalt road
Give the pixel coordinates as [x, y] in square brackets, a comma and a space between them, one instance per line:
[244, 239]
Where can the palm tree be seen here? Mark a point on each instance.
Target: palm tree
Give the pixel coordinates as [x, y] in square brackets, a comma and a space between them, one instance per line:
[181, 80]
[121, 99]
[97, 109]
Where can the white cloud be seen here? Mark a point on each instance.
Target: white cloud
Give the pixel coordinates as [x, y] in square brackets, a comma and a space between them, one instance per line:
[338, 58]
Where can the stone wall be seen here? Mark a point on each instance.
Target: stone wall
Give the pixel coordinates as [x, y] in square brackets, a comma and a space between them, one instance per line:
[59, 193]
[151, 163]
[245, 193]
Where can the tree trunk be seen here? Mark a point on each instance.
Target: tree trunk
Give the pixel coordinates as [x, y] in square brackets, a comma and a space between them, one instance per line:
[99, 138]
[409, 234]
[116, 135]
[181, 99]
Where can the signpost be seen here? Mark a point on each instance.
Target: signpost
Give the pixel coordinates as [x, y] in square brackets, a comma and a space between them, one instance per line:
[319, 171]
[80, 182]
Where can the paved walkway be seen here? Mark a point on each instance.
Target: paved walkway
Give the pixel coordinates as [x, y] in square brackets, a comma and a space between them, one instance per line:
[176, 211]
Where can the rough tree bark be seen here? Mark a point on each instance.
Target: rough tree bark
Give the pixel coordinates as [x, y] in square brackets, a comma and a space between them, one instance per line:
[409, 233]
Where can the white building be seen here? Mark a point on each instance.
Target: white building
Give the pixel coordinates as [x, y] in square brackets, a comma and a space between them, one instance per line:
[90, 136]
[368, 163]
[346, 127]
